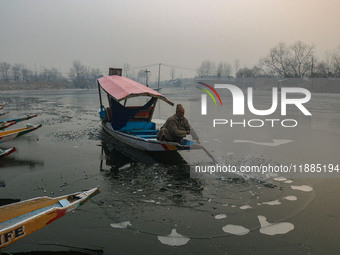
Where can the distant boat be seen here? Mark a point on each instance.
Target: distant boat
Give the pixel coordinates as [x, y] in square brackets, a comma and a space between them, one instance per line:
[132, 125]
[21, 219]
[15, 120]
[6, 125]
[6, 152]
[2, 105]
[11, 134]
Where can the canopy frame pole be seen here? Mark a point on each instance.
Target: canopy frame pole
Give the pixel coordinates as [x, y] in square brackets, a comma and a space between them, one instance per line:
[100, 95]
[153, 109]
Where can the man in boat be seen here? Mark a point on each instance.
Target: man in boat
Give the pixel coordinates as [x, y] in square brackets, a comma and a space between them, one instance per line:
[176, 127]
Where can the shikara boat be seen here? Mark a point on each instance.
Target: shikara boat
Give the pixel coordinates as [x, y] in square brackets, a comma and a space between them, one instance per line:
[132, 125]
[15, 120]
[6, 152]
[11, 134]
[21, 219]
[6, 125]
[2, 105]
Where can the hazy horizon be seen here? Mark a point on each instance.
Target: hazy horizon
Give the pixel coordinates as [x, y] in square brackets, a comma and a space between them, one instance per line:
[102, 33]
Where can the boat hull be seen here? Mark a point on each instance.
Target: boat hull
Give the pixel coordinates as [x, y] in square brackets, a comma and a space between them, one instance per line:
[23, 218]
[19, 119]
[6, 152]
[146, 144]
[11, 134]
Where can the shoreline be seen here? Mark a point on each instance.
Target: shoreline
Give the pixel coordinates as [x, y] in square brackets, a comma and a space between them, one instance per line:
[8, 86]
[315, 85]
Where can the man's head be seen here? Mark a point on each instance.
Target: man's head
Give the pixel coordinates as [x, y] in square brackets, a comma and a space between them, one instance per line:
[180, 111]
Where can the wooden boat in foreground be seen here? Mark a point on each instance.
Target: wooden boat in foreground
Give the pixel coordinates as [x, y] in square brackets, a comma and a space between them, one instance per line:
[132, 125]
[21, 219]
[6, 152]
[11, 134]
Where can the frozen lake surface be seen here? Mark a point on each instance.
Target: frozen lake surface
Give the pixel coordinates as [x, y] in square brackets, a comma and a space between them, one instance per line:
[148, 206]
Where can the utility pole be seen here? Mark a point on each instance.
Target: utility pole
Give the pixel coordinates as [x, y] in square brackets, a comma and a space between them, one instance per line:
[146, 77]
[312, 68]
[159, 75]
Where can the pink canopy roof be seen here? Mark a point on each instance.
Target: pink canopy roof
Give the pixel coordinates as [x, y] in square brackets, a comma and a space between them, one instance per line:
[122, 88]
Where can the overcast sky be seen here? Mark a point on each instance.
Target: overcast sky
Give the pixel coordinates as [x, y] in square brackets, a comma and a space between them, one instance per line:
[183, 33]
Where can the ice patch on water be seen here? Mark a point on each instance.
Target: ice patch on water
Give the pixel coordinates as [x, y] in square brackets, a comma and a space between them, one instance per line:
[123, 224]
[174, 239]
[280, 179]
[245, 207]
[220, 216]
[274, 228]
[290, 198]
[235, 230]
[276, 142]
[125, 166]
[304, 188]
[288, 181]
[274, 202]
[150, 201]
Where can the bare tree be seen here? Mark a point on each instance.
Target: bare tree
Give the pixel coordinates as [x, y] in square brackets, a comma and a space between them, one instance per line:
[16, 72]
[126, 69]
[94, 74]
[78, 74]
[141, 76]
[172, 73]
[289, 61]
[236, 65]
[277, 62]
[301, 58]
[321, 70]
[223, 69]
[333, 62]
[4, 68]
[26, 74]
[246, 72]
[207, 68]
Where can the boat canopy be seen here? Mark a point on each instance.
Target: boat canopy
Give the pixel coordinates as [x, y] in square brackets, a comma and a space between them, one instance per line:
[122, 88]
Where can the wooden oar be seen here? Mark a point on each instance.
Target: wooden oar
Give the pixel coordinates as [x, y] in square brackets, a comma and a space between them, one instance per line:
[209, 154]
[195, 137]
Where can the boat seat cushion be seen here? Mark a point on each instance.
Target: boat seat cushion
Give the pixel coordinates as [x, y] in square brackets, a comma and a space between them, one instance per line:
[64, 202]
[136, 126]
[147, 136]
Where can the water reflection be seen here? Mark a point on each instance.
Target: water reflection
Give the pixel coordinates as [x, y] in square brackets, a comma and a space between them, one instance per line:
[6, 201]
[116, 154]
[12, 162]
[143, 177]
[69, 250]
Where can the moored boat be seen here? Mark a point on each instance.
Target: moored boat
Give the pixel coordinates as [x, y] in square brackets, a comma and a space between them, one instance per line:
[6, 125]
[6, 152]
[16, 120]
[2, 105]
[21, 219]
[133, 125]
[11, 134]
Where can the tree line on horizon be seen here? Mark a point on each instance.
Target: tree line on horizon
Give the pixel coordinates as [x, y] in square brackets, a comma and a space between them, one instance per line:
[296, 60]
[288, 61]
[79, 76]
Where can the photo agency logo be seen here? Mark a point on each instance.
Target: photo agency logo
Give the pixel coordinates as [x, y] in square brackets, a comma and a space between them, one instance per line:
[288, 96]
